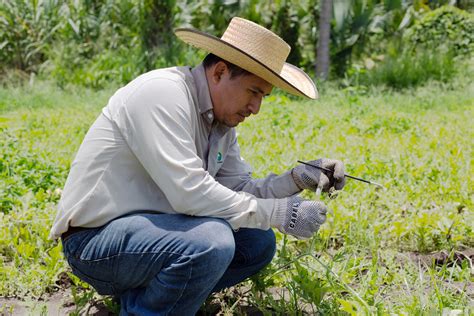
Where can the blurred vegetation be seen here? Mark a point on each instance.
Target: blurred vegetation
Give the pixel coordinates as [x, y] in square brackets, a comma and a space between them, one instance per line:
[93, 43]
[417, 142]
[447, 28]
[400, 70]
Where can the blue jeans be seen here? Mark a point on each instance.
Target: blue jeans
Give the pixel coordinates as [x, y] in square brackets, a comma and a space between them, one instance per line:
[166, 264]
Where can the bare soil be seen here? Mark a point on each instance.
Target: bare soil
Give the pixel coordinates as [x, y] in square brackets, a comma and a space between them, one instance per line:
[60, 302]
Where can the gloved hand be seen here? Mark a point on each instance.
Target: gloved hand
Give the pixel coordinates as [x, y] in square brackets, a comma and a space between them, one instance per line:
[298, 217]
[307, 177]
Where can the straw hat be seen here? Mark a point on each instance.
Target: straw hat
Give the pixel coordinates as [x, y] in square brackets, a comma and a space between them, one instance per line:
[257, 50]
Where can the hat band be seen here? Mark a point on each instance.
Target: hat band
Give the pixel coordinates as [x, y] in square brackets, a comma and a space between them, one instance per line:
[258, 42]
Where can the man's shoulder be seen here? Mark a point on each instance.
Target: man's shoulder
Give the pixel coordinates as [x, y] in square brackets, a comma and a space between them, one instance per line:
[158, 82]
[177, 75]
[166, 84]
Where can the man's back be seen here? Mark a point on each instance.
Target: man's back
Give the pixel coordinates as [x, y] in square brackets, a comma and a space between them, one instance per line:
[106, 178]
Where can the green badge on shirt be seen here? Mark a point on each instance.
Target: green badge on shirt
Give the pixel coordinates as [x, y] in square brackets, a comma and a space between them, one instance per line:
[219, 157]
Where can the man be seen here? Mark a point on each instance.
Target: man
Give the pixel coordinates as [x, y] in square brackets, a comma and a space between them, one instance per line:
[159, 208]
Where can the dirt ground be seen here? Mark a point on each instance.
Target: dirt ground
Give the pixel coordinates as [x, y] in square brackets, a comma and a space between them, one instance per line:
[60, 303]
[56, 304]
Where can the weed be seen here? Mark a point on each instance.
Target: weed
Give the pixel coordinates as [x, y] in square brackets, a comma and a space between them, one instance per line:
[417, 143]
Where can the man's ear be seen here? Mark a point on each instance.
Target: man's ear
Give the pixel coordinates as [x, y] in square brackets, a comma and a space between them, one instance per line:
[218, 71]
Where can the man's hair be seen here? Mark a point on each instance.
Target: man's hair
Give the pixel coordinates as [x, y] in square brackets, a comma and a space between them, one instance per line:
[235, 71]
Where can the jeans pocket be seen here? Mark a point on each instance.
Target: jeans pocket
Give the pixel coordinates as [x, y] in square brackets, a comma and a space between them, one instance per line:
[75, 243]
[85, 270]
[102, 287]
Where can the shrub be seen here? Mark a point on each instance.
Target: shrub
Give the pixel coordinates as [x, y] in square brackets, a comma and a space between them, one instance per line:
[118, 66]
[410, 69]
[446, 26]
[27, 28]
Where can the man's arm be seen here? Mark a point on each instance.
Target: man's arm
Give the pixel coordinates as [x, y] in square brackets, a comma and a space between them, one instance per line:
[236, 174]
[157, 124]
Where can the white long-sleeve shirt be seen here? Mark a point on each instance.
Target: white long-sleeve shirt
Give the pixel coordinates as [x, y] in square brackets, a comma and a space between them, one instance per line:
[157, 148]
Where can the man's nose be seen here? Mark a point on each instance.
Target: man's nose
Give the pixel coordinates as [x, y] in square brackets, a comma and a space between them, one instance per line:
[254, 106]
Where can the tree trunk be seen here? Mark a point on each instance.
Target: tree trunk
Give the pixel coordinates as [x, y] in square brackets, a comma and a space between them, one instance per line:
[322, 54]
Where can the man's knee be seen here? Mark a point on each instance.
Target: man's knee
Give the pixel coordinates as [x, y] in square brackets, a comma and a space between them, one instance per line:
[215, 241]
[267, 245]
[257, 247]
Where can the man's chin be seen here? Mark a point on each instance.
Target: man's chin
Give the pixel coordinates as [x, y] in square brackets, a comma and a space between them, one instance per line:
[231, 124]
[234, 121]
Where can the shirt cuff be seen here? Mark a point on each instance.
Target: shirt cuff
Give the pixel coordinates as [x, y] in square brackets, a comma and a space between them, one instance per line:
[292, 186]
[279, 213]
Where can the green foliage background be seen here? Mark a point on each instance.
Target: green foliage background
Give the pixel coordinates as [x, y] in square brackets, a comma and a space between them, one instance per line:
[93, 43]
[448, 27]
[418, 144]
[399, 112]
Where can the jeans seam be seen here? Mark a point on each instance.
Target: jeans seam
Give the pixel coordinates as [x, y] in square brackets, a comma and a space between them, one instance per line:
[244, 255]
[185, 285]
[130, 253]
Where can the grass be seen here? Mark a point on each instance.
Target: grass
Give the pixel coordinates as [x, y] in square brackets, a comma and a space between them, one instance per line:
[403, 68]
[379, 251]
[409, 69]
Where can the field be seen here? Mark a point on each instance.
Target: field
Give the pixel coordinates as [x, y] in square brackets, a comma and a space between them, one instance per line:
[405, 250]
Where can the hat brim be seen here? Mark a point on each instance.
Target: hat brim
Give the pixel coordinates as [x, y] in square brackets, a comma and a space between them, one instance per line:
[290, 78]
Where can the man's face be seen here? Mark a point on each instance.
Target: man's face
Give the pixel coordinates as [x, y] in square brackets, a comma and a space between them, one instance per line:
[235, 99]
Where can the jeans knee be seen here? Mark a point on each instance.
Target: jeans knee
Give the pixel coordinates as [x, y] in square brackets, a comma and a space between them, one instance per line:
[267, 245]
[218, 243]
[258, 248]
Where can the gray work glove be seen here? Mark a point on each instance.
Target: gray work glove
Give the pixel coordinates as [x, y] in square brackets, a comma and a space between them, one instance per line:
[307, 177]
[298, 217]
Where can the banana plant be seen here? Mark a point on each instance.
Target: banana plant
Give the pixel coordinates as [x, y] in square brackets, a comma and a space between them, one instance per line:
[354, 20]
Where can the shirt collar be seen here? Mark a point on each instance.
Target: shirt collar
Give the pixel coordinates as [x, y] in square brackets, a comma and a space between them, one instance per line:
[204, 99]
[203, 95]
